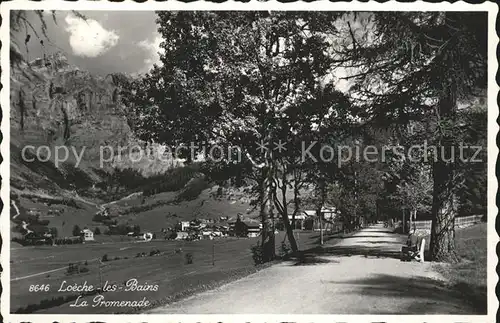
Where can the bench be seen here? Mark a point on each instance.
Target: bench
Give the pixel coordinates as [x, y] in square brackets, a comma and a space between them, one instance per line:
[411, 253]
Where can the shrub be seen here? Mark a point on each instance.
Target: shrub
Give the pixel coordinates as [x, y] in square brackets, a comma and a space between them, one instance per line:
[76, 230]
[70, 202]
[97, 231]
[53, 232]
[154, 252]
[284, 249]
[72, 269]
[84, 269]
[105, 258]
[257, 254]
[189, 258]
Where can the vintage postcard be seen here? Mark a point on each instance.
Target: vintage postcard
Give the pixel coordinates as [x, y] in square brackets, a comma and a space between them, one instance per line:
[257, 162]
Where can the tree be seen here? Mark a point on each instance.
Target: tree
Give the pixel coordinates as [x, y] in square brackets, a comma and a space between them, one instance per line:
[237, 79]
[53, 232]
[473, 193]
[415, 194]
[21, 22]
[97, 231]
[240, 228]
[76, 230]
[421, 65]
[308, 162]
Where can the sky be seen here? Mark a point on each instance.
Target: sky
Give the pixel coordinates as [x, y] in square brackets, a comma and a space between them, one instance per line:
[106, 42]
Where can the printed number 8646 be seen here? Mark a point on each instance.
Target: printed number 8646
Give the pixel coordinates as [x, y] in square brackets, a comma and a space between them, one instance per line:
[39, 288]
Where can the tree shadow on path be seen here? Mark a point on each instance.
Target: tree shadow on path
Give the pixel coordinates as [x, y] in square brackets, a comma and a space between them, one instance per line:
[356, 250]
[427, 295]
[372, 236]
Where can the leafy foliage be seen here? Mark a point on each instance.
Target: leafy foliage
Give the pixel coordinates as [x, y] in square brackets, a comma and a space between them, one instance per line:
[395, 88]
[76, 230]
[240, 228]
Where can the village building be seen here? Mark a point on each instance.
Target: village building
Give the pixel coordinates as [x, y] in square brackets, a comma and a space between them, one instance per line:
[207, 235]
[185, 225]
[87, 235]
[329, 214]
[181, 236]
[253, 227]
[299, 220]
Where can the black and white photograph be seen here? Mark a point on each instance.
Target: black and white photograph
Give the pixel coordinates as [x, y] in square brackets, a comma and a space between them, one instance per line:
[277, 160]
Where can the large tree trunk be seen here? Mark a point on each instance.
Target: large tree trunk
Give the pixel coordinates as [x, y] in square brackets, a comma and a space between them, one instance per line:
[413, 215]
[289, 233]
[442, 244]
[271, 240]
[263, 205]
[284, 217]
[404, 221]
[322, 199]
[318, 214]
[296, 195]
[268, 244]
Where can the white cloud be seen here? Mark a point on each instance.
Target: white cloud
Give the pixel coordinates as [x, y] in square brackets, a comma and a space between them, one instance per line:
[152, 48]
[88, 38]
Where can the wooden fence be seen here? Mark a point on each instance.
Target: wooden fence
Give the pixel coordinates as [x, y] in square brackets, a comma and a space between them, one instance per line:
[468, 220]
[459, 222]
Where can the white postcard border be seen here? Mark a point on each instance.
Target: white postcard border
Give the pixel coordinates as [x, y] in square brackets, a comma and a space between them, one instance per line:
[493, 128]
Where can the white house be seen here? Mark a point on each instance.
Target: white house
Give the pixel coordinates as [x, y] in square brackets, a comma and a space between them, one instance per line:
[184, 225]
[253, 233]
[181, 236]
[299, 219]
[330, 214]
[87, 234]
[207, 235]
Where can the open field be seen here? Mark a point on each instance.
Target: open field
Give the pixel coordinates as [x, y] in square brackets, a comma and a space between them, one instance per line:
[175, 278]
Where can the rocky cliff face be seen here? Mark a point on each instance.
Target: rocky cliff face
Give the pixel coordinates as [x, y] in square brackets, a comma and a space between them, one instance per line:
[52, 102]
[55, 104]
